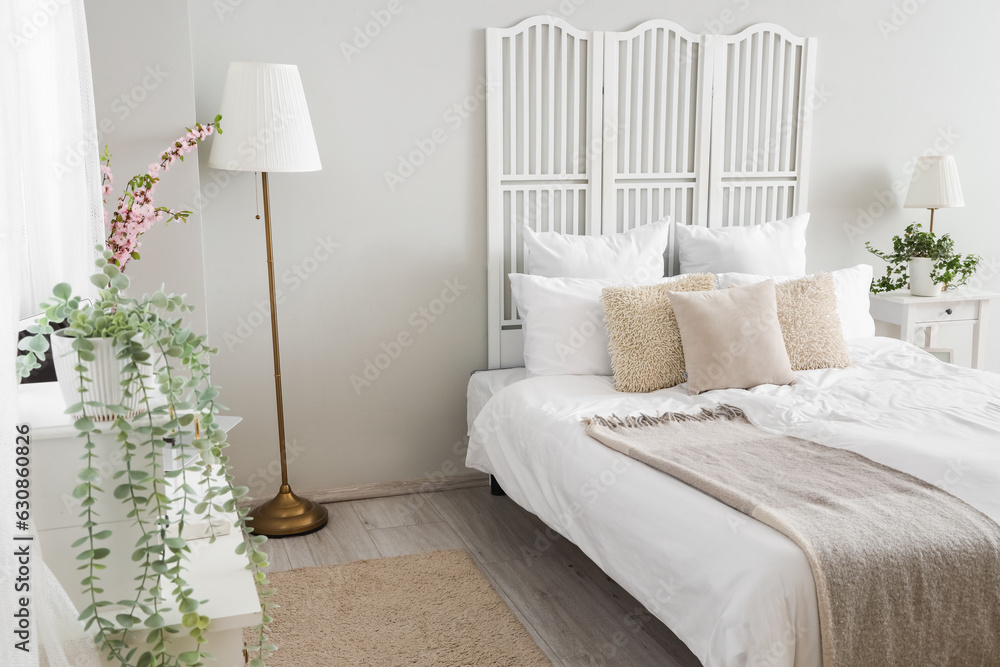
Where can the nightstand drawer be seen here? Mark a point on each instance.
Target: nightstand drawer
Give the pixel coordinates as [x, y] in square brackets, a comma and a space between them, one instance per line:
[944, 311]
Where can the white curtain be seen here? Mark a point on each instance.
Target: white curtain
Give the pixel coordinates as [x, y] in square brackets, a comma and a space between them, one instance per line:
[51, 102]
[50, 218]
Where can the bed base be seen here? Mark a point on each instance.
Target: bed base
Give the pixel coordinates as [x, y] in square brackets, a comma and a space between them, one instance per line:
[495, 488]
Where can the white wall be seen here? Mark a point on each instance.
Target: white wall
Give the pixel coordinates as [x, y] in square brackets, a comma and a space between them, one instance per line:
[144, 98]
[886, 95]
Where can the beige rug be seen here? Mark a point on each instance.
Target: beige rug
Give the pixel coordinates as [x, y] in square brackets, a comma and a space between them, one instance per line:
[427, 609]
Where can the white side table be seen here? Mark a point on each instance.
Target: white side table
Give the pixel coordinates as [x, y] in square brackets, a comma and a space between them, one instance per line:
[961, 306]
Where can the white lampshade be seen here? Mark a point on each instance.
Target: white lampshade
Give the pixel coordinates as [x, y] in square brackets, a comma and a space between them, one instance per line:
[265, 121]
[935, 184]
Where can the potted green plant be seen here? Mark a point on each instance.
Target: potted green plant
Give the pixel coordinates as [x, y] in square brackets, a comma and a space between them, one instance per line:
[923, 261]
[164, 393]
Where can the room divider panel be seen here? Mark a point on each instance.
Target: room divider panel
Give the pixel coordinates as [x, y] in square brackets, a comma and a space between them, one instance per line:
[600, 132]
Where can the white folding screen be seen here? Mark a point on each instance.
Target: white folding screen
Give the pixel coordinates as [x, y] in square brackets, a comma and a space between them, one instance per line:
[543, 113]
[763, 82]
[600, 132]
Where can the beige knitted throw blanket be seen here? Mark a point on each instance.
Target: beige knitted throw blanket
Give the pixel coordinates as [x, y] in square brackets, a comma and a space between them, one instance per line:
[906, 574]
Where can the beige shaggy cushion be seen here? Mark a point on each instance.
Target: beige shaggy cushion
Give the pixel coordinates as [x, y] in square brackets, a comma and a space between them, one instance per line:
[732, 339]
[645, 345]
[810, 324]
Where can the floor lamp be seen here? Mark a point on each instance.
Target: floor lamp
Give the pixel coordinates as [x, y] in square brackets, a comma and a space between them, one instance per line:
[267, 129]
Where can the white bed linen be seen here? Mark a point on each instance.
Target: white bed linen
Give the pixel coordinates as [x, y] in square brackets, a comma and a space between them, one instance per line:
[484, 384]
[734, 590]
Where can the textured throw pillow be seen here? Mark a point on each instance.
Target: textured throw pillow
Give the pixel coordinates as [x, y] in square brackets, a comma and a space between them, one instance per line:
[852, 285]
[644, 342]
[635, 256]
[732, 338]
[807, 312]
[771, 248]
[563, 324]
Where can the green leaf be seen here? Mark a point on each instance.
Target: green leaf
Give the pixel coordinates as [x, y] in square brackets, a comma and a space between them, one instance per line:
[155, 621]
[101, 280]
[189, 658]
[83, 424]
[175, 542]
[63, 291]
[188, 605]
[101, 553]
[127, 620]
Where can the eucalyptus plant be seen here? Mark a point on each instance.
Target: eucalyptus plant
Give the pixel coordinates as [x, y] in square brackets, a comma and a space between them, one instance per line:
[950, 268]
[159, 352]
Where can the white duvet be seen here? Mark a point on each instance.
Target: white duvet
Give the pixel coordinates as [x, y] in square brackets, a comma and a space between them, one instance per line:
[735, 591]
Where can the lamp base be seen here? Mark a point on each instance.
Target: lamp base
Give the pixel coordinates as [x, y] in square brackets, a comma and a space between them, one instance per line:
[287, 514]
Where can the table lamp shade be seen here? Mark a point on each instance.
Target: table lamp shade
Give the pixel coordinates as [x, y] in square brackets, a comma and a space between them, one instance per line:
[265, 121]
[935, 184]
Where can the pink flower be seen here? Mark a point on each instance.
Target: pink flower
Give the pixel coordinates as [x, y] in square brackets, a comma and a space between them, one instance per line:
[154, 169]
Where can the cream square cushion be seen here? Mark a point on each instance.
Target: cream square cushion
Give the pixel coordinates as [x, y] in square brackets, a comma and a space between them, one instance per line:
[852, 285]
[644, 342]
[810, 325]
[732, 338]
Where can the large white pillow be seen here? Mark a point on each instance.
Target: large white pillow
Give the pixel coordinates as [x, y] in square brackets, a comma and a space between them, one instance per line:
[852, 285]
[772, 248]
[635, 255]
[563, 323]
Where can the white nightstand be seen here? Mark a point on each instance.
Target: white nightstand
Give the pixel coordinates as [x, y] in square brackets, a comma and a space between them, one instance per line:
[961, 306]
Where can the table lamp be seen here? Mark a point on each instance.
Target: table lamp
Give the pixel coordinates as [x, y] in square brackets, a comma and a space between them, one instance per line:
[934, 185]
[267, 129]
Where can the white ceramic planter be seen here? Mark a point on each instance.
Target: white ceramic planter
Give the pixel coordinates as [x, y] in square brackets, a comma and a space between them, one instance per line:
[105, 373]
[920, 277]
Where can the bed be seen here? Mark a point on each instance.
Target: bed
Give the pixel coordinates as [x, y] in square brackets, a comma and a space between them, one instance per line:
[735, 591]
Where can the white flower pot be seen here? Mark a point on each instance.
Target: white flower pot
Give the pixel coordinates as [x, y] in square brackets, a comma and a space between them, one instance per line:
[921, 283]
[105, 373]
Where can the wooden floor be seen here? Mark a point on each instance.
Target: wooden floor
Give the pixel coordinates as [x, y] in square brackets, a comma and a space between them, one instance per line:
[572, 609]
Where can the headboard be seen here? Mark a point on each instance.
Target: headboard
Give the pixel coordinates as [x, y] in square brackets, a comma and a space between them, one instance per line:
[598, 132]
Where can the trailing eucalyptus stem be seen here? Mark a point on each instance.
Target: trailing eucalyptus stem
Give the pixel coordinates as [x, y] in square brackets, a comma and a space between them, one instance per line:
[165, 367]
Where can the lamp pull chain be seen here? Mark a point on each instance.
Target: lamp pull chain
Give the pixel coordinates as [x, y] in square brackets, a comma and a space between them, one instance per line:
[256, 195]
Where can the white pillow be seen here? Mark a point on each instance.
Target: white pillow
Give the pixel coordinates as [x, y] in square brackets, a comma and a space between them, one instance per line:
[563, 323]
[853, 286]
[772, 248]
[635, 255]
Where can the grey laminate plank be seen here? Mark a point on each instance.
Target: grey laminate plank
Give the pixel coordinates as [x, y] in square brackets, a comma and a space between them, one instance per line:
[277, 557]
[297, 550]
[417, 539]
[344, 539]
[633, 611]
[493, 527]
[574, 616]
[396, 511]
[549, 653]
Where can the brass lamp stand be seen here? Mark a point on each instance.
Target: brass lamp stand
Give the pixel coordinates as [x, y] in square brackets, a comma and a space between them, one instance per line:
[286, 513]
